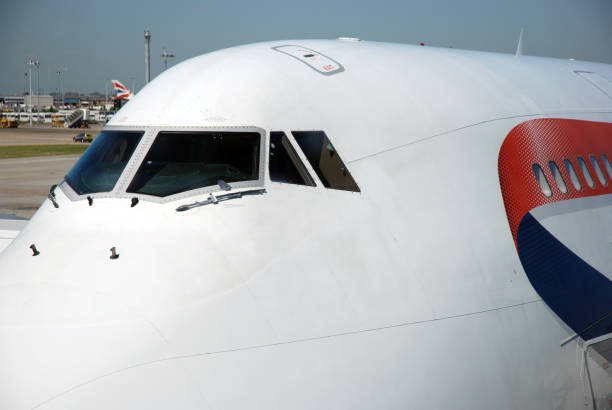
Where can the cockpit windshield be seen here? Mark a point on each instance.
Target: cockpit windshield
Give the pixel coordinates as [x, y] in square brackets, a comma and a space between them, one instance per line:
[183, 161]
[101, 165]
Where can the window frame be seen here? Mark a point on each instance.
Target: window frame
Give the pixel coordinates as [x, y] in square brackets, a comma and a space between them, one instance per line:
[142, 149]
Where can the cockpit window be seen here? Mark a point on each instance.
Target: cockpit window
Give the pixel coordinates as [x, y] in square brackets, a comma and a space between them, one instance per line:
[325, 160]
[100, 166]
[284, 164]
[183, 161]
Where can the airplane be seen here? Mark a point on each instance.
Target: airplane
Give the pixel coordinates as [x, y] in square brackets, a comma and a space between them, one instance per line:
[122, 92]
[312, 224]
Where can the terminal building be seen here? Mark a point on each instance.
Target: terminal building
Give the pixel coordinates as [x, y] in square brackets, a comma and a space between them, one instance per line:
[36, 101]
[15, 102]
[45, 101]
[11, 102]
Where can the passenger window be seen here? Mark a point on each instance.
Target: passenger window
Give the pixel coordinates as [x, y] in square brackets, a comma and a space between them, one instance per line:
[325, 160]
[598, 171]
[541, 179]
[101, 165]
[554, 170]
[572, 173]
[585, 171]
[607, 164]
[183, 161]
[284, 164]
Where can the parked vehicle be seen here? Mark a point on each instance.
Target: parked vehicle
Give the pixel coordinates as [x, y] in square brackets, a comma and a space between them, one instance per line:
[8, 123]
[83, 137]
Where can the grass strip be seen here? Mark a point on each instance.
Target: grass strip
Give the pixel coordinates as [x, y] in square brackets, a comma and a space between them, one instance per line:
[21, 151]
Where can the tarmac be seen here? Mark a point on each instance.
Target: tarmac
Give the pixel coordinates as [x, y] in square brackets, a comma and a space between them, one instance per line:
[42, 135]
[25, 182]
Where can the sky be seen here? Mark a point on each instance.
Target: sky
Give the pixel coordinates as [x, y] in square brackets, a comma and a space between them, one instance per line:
[96, 41]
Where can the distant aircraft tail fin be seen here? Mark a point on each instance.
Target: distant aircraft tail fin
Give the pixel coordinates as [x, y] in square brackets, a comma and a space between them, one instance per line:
[122, 92]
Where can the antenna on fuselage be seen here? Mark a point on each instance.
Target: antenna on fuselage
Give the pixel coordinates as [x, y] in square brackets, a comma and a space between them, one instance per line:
[519, 46]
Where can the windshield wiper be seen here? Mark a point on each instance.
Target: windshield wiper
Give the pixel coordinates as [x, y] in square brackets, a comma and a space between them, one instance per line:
[224, 185]
[215, 199]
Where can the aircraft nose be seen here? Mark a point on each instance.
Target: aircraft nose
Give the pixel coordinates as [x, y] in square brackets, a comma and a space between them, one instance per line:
[53, 338]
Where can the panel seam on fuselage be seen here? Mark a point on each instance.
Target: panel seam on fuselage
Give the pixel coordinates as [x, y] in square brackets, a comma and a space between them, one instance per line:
[469, 126]
[286, 342]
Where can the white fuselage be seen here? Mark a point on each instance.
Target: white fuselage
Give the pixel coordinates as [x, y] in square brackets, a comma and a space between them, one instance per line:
[408, 294]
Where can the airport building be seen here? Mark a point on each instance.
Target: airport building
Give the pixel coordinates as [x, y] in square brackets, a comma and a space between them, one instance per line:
[45, 101]
[14, 102]
[42, 101]
[11, 102]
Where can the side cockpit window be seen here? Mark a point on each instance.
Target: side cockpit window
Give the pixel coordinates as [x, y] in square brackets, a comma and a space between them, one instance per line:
[101, 165]
[184, 161]
[325, 161]
[285, 165]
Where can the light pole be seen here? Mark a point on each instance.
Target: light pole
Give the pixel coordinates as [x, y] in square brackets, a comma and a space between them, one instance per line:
[30, 93]
[38, 89]
[30, 64]
[25, 87]
[59, 88]
[60, 79]
[165, 55]
[147, 36]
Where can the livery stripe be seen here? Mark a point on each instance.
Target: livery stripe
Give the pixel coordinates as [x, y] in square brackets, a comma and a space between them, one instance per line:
[540, 141]
[579, 294]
